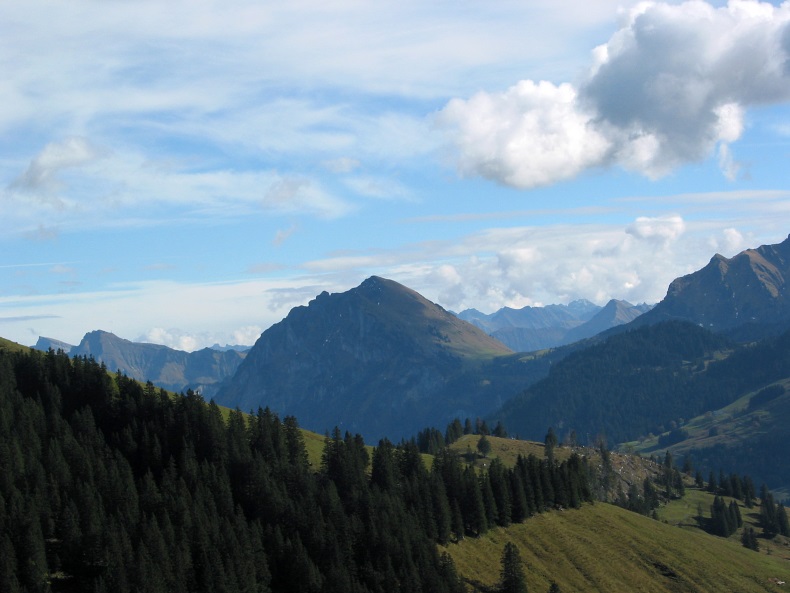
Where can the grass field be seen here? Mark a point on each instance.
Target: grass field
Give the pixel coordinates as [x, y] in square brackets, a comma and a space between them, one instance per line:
[602, 548]
[9, 345]
[683, 513]
[507, 450]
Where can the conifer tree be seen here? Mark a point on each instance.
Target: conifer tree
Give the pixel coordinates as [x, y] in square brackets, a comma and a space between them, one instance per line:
[492, 513]
[519, 509]
[499, 430]
[454, 431]
[749, 492]
[468, 429]
[500, 486]
[473, 507]
[712, 484]
[441, 509]
[768, 518]
[484, 445]
[550, 442]
[749, 539]
[735, 516]
[512, 576]
[783, 527]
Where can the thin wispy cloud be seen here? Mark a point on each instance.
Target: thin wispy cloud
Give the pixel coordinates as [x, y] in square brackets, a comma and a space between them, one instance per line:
[27, 318]
[41, 174]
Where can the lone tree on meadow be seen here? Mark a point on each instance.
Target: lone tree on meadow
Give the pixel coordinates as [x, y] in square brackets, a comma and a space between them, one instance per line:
[512, 579]
[484, 446]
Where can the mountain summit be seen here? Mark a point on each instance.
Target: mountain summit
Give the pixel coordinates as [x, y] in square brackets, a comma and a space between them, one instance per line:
[378, 359]
[747, 289]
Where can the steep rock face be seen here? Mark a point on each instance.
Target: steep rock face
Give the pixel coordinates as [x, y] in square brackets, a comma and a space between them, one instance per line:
[749, 288]
[379, 359]
[45, 344]
[165, 367]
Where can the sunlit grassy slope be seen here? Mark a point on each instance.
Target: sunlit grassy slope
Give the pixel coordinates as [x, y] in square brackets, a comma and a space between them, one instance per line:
[507, 450]
[627, 469]
[9, 345]
[684, 513]
[727, 426]
[604, 548]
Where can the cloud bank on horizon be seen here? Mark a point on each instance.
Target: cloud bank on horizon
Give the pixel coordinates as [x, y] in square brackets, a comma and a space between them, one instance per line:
[186, 172]
[670, 87]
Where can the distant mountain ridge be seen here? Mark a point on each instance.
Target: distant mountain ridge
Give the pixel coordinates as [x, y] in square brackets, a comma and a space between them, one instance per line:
[165, 367]
[569, 315]
[45, 344]
[379, 359]
[536, 328]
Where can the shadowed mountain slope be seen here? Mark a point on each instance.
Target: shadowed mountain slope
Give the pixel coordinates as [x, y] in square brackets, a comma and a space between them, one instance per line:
[378, 359]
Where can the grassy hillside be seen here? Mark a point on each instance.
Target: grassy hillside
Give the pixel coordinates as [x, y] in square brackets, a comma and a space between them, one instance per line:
[9, 345]
[507, 450]
[728, 438]
[604, 548]
[683, 513]
[625, 469]
[729, 425]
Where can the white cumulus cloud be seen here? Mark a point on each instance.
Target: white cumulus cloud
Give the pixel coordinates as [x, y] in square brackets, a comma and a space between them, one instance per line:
[666, 89]
[532, 134]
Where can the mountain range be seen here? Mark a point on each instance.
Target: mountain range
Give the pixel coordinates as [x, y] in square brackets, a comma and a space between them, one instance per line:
[165, 367]
[381, 360]
[535, 328]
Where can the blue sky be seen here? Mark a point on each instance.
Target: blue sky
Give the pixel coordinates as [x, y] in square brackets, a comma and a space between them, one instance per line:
[186, 172]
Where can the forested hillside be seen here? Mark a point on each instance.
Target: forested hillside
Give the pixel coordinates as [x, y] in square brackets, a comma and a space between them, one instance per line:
[654, 379]
[629, 385]
[641, 381]
[111, 485]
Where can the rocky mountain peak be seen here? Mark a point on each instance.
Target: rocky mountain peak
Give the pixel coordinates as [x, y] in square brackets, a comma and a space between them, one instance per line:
[375, 358]
[749, 288]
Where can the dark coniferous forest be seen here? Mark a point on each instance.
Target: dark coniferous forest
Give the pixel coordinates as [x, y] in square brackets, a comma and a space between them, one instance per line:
[112, 485]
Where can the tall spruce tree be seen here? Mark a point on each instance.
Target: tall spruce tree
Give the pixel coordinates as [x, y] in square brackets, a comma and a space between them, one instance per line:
[512, 576]
[749, 539]
[550, 442]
